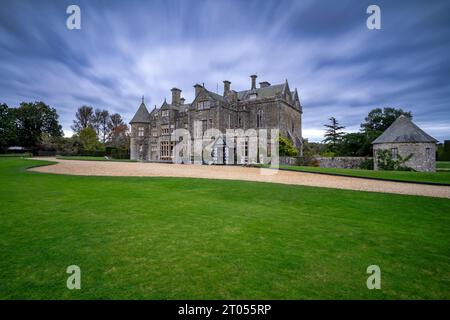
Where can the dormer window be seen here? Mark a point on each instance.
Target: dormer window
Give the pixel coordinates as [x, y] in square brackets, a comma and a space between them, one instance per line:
[252, 96]
[203, 105]
[140, 131]
[165, 113]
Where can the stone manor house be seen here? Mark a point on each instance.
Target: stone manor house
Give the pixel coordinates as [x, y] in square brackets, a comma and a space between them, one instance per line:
[264, 107]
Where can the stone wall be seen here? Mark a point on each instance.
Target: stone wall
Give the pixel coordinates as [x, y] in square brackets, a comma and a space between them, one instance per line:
[288, 161]
[341, 162]
[423, 155]
[328, 162]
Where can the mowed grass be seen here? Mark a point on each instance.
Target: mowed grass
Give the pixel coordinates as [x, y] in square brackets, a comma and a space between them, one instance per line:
[433, 177]
[173, 238]
[443, 165]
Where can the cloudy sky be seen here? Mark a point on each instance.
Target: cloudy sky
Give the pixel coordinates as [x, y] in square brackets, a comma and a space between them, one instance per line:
[126, 49]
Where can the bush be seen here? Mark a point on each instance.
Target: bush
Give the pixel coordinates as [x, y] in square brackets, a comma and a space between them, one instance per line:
[117, 153]
[366, 164]
[91, 153]
[385, 161]
[328, 154]
[286, 148]
[307, 160]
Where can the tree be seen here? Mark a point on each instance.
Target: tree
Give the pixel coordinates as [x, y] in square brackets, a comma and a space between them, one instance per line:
[333, 135]
[101, 120]
[89, 141]
[8, 132]
[116, 120]
[35, 119]
[84, 118]
[379, 120]
[286, 147]
[118, 132]
[353, 144]
[443, 151]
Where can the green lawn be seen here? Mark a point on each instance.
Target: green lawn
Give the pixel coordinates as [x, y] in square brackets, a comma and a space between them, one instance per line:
[443, 165]
[88, 158]
[434, 177]
[16, 155]
[174, 238]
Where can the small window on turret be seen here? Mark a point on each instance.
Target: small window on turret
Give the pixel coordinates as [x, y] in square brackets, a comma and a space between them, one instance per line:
[140, 131]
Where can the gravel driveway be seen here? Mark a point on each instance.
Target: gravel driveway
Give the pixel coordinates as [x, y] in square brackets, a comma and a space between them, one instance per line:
[137, 169]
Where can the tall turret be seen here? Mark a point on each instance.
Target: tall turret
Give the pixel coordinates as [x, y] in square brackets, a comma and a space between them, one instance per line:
[140, 126]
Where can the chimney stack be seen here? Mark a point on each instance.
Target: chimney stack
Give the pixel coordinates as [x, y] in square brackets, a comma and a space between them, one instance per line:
[198, 89]
[253, 76]
[176, 95]
[264, 84]
[182, 100]
[226, 87]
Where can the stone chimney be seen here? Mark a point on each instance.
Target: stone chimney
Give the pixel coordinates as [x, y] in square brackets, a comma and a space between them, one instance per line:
[226, 87]
[253, 76]
[182, 100]
[264, 84]
[198, 89]
[176, 95]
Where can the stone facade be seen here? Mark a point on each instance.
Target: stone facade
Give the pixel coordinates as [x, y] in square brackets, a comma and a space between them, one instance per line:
[423, 154]
[266, 107]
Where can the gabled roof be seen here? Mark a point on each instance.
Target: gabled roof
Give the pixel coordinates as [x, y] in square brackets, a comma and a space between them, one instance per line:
[265, 92]
[142, 115]
[154, 111]
[212, 95]
[215, 96]
[165, 105]
[286, 88]
[403, 130]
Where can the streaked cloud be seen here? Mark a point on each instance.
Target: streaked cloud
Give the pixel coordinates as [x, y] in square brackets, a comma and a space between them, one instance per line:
[129, 48]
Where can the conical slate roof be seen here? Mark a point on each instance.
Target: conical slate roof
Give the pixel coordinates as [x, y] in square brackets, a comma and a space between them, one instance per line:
[142, 115]
[403, 130]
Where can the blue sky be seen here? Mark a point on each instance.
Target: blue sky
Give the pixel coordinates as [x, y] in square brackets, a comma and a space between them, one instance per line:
[129, 48]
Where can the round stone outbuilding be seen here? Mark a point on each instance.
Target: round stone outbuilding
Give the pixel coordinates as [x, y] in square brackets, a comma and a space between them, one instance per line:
[405, 138]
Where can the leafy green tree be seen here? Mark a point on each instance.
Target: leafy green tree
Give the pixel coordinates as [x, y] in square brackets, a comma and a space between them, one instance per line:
[333, 135]
[286, 147]
[8, 130]
[352, 144]
[33, 120]
[443, 151]
[89, 141]
[378, 120]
